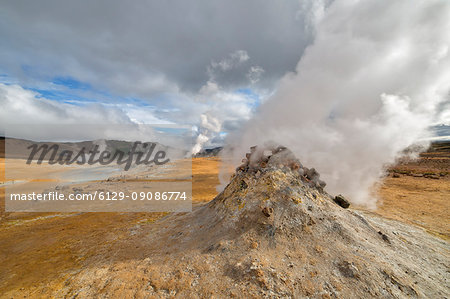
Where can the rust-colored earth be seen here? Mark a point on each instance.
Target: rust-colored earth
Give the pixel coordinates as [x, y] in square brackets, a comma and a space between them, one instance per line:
[46, 249]
[418, 191]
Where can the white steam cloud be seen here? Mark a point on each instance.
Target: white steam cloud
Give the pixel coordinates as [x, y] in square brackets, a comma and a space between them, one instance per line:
[209, 126]
[376, 76]
[224, 107]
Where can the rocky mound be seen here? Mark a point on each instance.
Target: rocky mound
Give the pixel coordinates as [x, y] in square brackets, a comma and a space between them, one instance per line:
[272, 232]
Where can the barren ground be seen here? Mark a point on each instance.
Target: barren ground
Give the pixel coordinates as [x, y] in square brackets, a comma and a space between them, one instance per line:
[418, 192]
[45, 249]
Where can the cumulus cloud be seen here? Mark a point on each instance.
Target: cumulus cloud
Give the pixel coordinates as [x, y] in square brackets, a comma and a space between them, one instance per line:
[254, 74]
[147, 47]
[233, 60]
[24, 106]
[185, 59]
[375, 78]
[25, 114]
[443, 114]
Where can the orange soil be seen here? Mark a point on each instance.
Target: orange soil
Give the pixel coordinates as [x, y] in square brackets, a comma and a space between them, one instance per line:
[41, 248]
[419, 201]
[38, 249]
[205, 178]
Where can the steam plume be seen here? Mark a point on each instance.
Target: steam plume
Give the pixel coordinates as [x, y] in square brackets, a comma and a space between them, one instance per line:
[369, 86]
[209, 126]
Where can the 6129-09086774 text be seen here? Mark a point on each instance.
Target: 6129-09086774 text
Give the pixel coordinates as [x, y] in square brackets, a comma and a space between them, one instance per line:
[107, 196]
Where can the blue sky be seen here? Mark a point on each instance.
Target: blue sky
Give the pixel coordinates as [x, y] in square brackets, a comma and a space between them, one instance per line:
[157, 109]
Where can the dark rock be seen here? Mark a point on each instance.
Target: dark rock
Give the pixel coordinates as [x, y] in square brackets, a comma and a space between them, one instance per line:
[395, 175]
[348, 269]
[312, 174]
[384, 237]
[320, 184]
[340, 200]
[294, 165]
[243, 185]
[242, 168]
[267, 211]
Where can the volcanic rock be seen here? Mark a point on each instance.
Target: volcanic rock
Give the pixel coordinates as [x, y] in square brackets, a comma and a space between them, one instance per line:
[272, 232]
[340, 200]
[267, 211]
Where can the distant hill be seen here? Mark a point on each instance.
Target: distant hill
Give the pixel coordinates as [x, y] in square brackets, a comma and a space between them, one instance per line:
[18, 148]
[209, 152]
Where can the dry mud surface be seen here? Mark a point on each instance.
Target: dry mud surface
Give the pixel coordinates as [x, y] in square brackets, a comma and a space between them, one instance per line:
[307, 246]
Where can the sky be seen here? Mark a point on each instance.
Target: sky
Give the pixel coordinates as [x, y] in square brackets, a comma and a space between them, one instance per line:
[207, 64]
